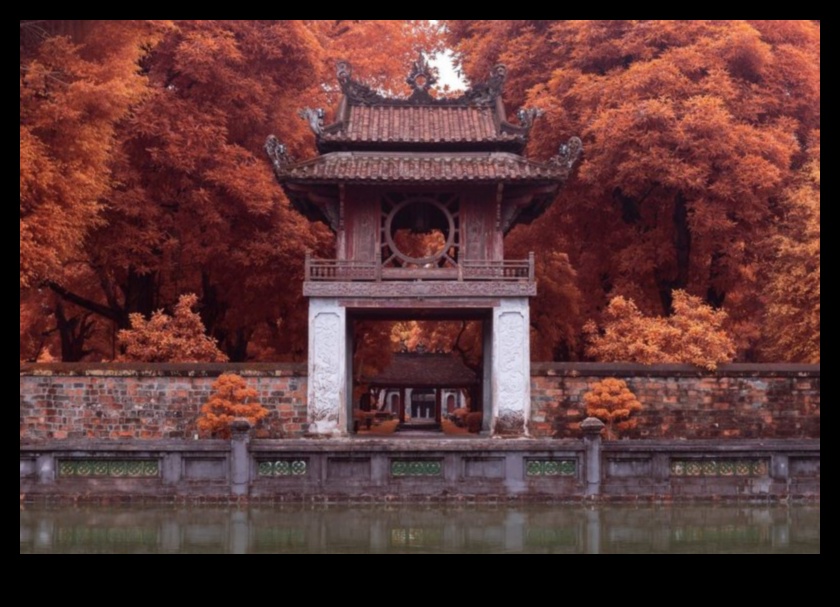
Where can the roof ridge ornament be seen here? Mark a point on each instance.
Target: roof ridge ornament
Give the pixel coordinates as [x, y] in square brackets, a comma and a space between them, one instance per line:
[527, 116]
[279, 155]
[354, 90]
[568, 153]
[421, 78]
[315, 118]
[485, 93]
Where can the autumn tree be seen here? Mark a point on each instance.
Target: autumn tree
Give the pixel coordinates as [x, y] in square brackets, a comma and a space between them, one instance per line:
[232, 399]
[693, 334]
[72, 99]
[611, 401]
[691, 129]
[185, 198]
[170, 339]
[793, 274]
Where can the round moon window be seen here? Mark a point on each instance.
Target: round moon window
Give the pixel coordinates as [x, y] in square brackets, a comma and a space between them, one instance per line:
[420, 231]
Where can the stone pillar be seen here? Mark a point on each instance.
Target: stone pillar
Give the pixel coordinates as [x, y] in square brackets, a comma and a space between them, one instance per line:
[511, 367]
[240, 460]
[171, 465]
[327, 399]
[45, 465]
[591, 428]
[486, 389]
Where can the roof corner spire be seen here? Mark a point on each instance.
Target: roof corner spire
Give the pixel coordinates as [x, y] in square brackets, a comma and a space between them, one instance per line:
[568, 153]
[343, 71]
[421, 78]
[486, 93]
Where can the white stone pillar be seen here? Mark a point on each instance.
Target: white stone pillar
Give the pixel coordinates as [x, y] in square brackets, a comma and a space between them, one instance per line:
[327, 395]
[511, 367]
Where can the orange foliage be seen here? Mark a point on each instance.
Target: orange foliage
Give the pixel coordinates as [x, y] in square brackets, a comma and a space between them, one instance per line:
[611, 401]
[177, 338]
[232, 399]
[155, 181]
[793, 285]
[693, 334]
[691, 129]
[70, 105]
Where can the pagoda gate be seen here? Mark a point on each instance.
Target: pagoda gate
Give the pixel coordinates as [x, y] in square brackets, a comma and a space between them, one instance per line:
[449, 169]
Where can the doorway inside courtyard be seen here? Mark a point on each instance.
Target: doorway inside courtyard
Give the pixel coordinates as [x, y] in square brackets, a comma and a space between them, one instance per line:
[418, 372]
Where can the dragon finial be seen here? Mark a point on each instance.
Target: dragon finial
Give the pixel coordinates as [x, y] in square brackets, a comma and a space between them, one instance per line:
[568, 153]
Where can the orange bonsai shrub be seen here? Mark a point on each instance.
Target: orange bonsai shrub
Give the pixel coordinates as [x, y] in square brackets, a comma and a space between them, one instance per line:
[611, 401]
[179, 338]
[229, 402]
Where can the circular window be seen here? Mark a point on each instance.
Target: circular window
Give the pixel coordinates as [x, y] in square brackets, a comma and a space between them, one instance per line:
[420, 231]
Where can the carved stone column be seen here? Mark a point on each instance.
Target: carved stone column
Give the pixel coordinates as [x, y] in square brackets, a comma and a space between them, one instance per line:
[327, 410]
[511, 367]
[240, 459]
[591, 428]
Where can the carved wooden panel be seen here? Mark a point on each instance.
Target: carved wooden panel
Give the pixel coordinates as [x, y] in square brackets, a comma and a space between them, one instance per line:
[482, 240]
[361, 217]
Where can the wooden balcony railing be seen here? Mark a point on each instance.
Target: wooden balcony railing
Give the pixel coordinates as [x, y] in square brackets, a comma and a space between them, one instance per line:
[338, 270]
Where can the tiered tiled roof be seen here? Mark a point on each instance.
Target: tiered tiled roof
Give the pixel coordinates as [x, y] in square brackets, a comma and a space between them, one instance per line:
[420, 139]
[419, 124]
[373, 167]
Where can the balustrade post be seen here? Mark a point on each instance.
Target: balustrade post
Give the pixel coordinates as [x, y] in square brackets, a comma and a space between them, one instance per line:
[591, 428]
[240, 459]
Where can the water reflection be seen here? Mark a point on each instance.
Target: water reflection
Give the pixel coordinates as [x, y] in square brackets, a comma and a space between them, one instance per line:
[406, 529]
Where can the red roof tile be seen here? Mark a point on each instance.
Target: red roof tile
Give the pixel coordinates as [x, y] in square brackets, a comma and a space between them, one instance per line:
[420, 124]
[424, 167]
[415, 369]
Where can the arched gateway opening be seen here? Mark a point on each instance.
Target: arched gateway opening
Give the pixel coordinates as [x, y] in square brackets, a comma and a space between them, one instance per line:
[420, 192]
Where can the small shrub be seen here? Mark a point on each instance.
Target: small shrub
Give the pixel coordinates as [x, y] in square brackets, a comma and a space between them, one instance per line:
[163, 338]
[611, 401]
[232, 399]
[694, 334]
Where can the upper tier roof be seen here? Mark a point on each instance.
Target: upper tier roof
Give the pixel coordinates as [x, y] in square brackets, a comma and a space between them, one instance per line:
[473, 121]
[418, 124]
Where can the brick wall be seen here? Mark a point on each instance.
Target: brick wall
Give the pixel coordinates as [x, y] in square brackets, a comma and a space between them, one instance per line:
[739, 400]
[108, 401]
[111, 401]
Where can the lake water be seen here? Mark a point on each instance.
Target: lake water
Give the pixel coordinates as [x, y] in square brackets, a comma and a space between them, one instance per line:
[537, 529]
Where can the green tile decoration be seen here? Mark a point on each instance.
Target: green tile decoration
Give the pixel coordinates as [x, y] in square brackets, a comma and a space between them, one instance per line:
[422, 467]
[283, 467]
[550, 467]
[104, 468]
[134, 469]
[726, 467]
